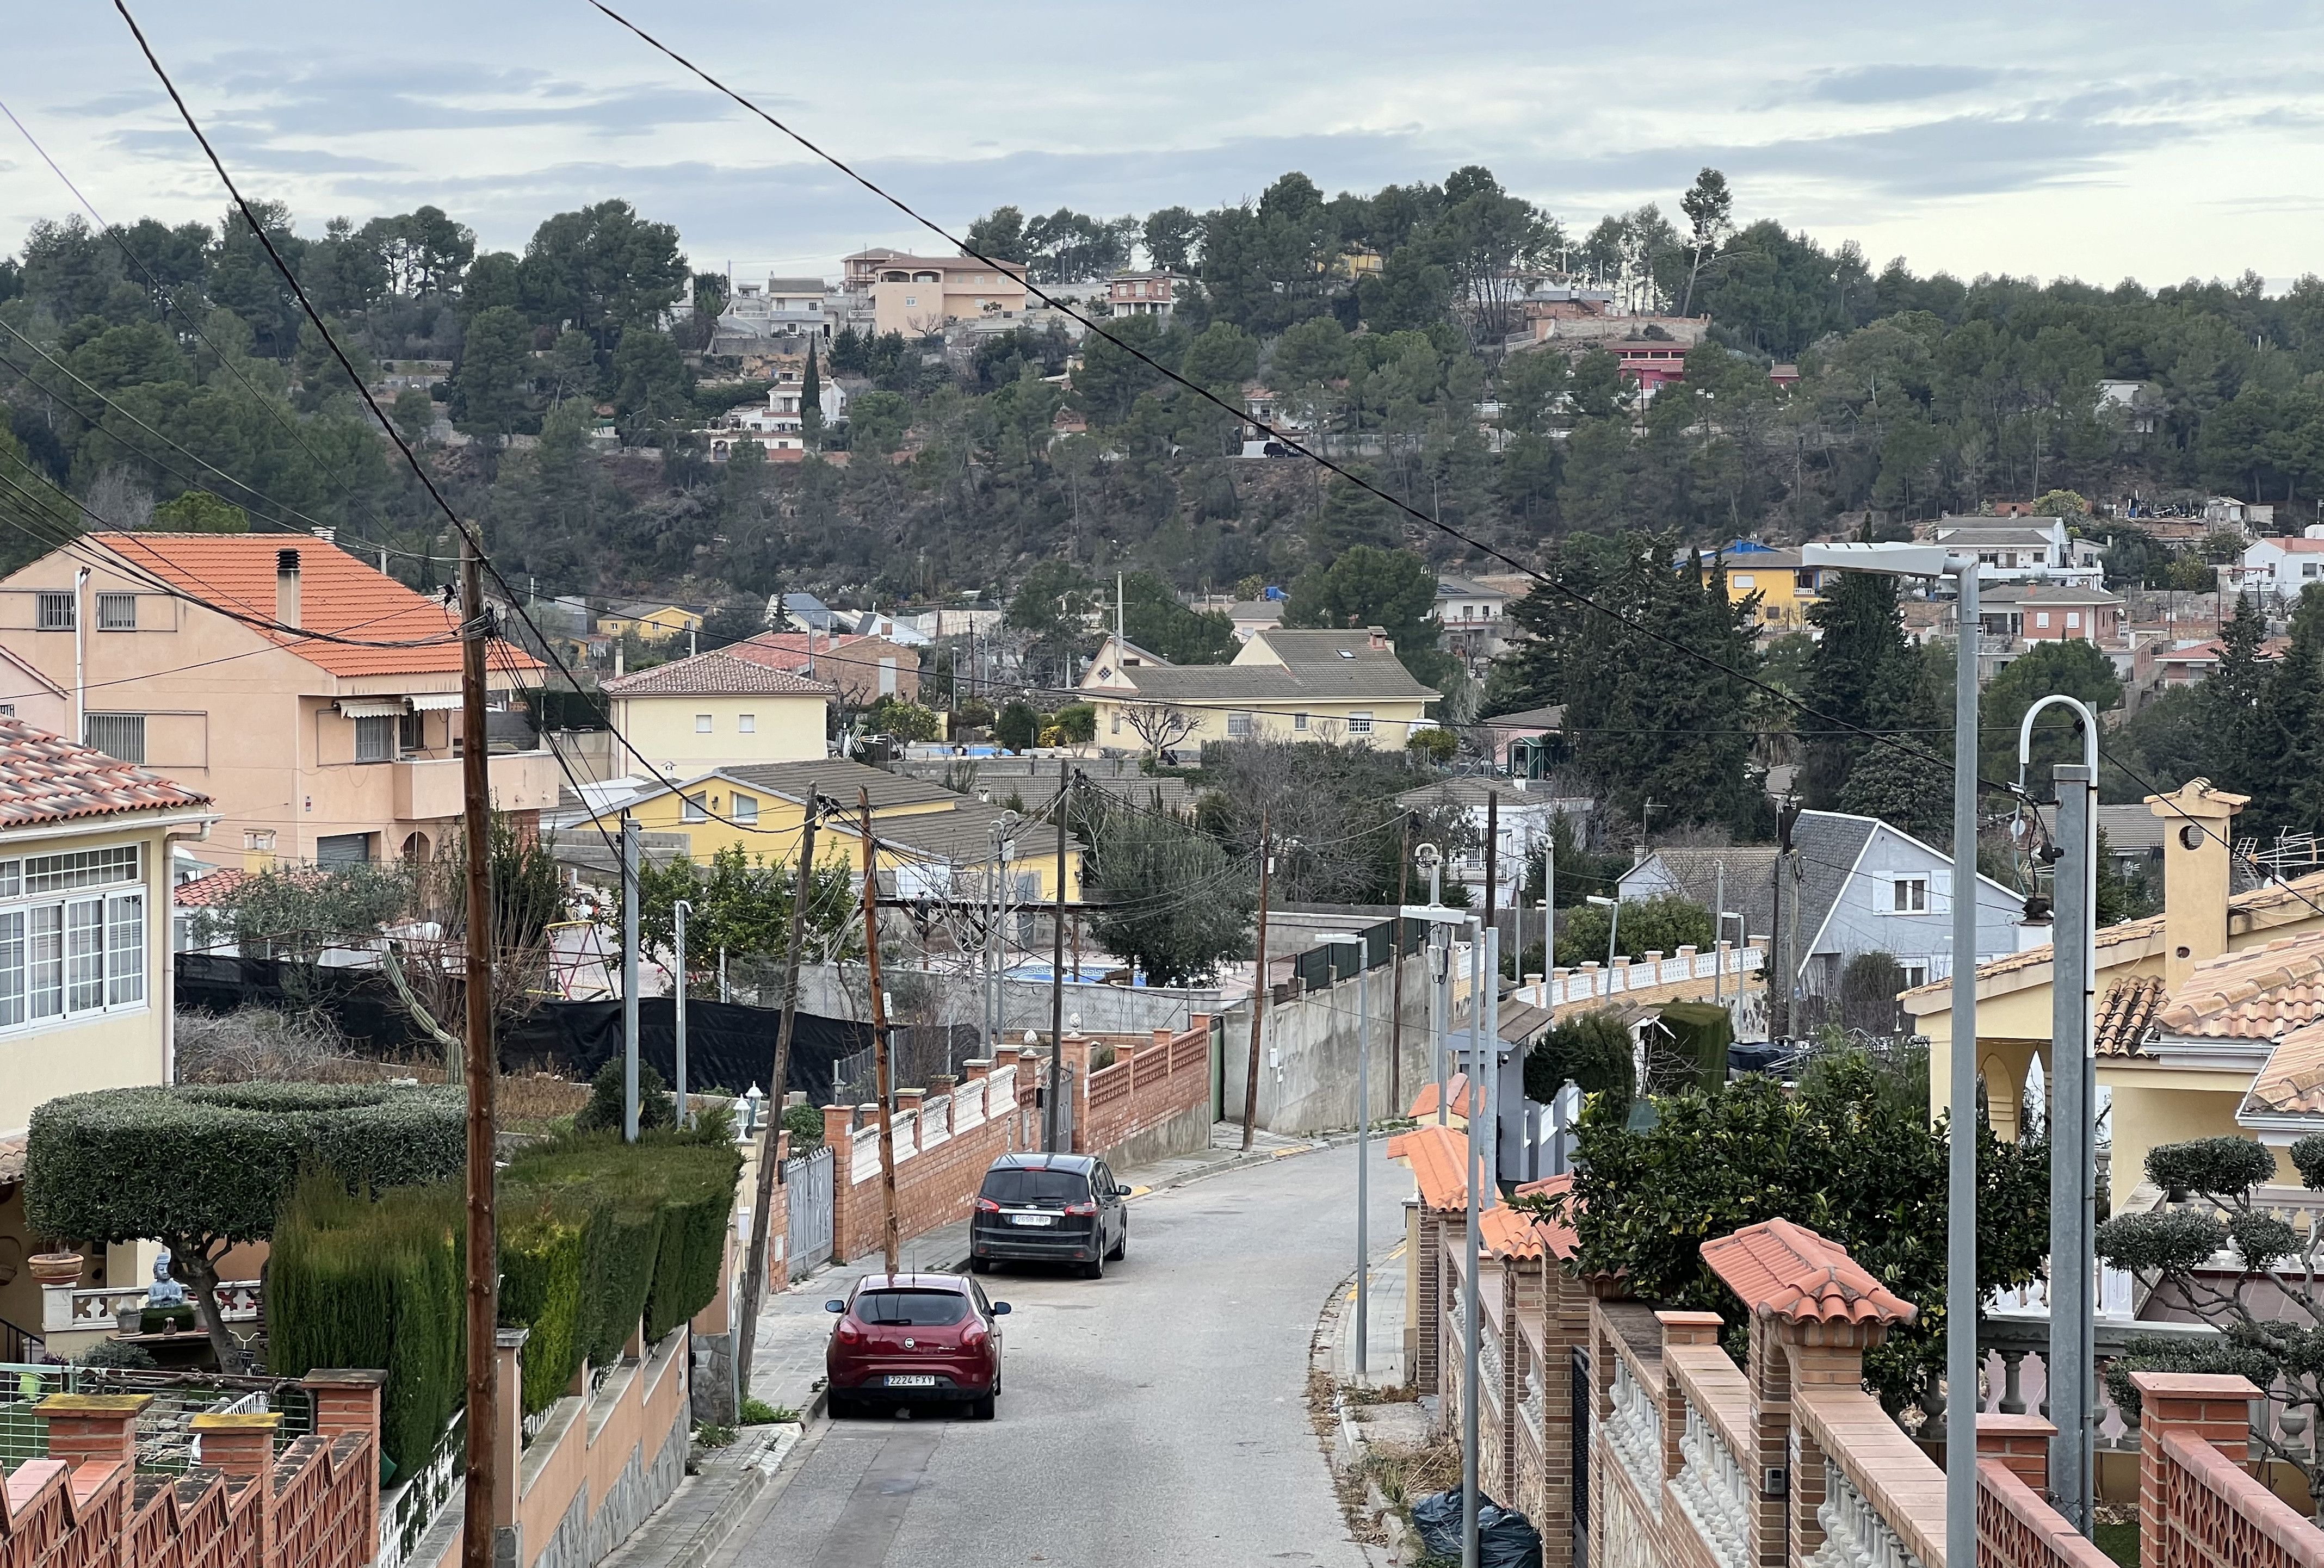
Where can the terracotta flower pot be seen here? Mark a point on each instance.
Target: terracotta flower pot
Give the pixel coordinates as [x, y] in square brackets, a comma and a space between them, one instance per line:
[55, 1268]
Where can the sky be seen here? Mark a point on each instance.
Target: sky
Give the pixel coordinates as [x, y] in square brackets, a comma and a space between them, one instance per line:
[2128, 139]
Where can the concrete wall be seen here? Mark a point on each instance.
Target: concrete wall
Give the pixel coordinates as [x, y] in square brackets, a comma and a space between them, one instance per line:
[1307, 1064]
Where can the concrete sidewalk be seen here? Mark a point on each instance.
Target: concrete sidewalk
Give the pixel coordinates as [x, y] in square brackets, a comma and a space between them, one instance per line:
[1383, 1338]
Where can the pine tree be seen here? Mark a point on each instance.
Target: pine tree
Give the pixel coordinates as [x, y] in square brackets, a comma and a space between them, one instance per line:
[1862, 673]
[2235, 698]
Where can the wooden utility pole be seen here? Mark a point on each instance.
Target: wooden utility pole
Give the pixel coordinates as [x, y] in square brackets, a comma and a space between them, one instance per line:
[1396, 979]
[479, 1063]
[1258, 992]
[773, 1188]
[1057, 974]
[880, 1085]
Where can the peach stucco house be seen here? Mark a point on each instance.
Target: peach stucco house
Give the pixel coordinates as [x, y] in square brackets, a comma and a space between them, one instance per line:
[312, 750]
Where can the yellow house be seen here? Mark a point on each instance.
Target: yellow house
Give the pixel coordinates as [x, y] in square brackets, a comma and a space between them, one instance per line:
[1283, 685]
[1784, 587]
[931, 843]
[85, 973]
[649, 621]
[715, 710]
[2191, 1004]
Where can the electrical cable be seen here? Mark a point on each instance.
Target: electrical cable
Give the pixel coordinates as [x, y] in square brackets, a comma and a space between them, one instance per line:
[1919, 754]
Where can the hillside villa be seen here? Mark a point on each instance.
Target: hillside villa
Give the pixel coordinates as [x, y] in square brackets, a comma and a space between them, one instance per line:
[1283, 685]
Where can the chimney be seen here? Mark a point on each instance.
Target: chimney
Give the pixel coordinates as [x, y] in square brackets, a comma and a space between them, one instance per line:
[1377, 636]
[2197, 825]
[286, 587]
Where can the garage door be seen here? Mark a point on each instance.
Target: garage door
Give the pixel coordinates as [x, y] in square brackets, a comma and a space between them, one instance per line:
[344, 848]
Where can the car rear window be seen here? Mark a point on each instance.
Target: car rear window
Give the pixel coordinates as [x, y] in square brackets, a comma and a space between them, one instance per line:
[1042, 1188]
[911, 1308]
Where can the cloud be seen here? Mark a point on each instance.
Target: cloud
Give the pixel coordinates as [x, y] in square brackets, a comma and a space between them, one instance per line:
[1897, 84]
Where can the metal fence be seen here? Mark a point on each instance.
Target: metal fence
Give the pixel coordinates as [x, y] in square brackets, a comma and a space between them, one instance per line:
[411, 1509]
[917, 1053]
[807, 1182]
[165, 1439]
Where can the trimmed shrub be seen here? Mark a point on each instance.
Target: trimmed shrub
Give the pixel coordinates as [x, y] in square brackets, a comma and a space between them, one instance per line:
[544, 1247]
[354, 1282]
[603, 1113]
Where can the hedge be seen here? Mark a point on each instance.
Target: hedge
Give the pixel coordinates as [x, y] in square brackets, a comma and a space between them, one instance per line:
[595, 1235]
[217, 1163]
[357, 1283]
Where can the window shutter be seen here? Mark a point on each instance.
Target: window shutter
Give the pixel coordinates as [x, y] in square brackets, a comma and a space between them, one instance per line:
[1940, 885]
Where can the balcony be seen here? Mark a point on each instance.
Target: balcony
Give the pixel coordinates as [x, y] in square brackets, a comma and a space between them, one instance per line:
[428, 789]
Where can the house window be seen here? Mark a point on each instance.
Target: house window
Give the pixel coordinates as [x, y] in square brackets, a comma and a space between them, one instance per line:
[2042, 619]
[261, 839]
[375, 739]
[1117, 721]
[116, 612]
[702, 724]
[746, 723]
[121, 735]
[1912, 895]
[2073, 620]
[56, 613]
[695, 809]
[746, 810]
[910, 301]
[1916, 975]
[63, 957]
[1238, 726]
[1299, 721]
[1360, 723]
[1746, 580]
[411, 731]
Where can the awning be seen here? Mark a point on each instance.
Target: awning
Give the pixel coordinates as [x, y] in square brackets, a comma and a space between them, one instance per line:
[371, 708]
[434, 702]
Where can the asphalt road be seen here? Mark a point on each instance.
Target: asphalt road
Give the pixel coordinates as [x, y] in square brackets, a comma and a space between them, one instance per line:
[1157, 1416]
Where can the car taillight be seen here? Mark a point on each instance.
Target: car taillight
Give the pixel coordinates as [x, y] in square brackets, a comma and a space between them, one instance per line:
[985, 1206]
[849, 1334]
[974, 1338]
[1088, 1208]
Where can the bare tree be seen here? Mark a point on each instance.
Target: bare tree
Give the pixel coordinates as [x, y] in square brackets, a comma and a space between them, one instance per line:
[1158, 725]
[120, 497]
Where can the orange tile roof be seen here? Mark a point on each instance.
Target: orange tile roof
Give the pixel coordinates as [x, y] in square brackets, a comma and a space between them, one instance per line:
[1439, 1156]
[2292, 1082]
[1503, 1232]
[1558, 1234]
[2125, 1014]
[1424, 1104]
[2254, 994]
[1786, 1271]
[336, 593]
[45, 778]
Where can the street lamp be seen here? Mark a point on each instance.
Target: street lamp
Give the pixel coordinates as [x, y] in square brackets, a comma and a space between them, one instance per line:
[1934, 560]
[2073, 1099]
[1363, 1139]
[1613, 932]
[1440, 920]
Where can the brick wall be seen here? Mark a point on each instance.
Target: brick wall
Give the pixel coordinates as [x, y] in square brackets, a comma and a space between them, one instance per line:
[945, 1135]
[316, 1504]
[1155, 1081]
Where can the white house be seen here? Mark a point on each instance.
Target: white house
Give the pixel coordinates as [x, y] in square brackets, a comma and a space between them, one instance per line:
[1855, 885]
[780, 307]
[1470, 616]
[2023, 549]
[2275, 570]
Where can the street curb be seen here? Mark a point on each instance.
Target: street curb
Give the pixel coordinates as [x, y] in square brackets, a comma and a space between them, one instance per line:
[753, 1474]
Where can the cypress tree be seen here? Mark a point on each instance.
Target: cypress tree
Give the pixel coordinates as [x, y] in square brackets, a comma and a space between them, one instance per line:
[811, 401]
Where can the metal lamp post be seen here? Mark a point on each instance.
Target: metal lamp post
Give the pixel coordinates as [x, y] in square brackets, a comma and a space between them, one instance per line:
[2073, 1119]
[679, 912]
[1934, 560]
[1440, 965]
[1363, 1141]
[1613, 933]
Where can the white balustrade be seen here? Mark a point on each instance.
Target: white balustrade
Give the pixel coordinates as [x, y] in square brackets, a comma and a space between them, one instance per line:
[1713, 1491]
[1634, 1431]
[1855, 1535]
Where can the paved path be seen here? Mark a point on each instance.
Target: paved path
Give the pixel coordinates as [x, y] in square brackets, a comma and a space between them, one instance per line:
[1152, 1419]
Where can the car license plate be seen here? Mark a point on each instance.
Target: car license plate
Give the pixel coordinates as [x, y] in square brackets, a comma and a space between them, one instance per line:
[911, 1380]
[1032, 1219]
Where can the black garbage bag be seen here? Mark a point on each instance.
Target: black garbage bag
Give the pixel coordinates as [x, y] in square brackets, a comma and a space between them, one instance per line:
[1505, 1538]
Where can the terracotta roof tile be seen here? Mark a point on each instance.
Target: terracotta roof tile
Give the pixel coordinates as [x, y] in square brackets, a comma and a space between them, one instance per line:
[717, 673]
[1438, 1156]
[2253, 994]
[1505, 1233]
[208, 891]
[1786, 1271]
[2292, 1082]
[45, 778]
[1424, 1104]
[1559, 1236]
[2124, 1014]
[336, 593]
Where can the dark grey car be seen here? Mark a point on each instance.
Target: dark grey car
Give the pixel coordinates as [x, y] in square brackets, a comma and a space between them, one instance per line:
[1049, 1208]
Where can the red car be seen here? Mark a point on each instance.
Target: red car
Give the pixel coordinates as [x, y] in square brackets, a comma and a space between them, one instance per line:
[915, 1338]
